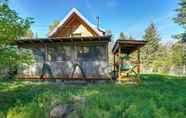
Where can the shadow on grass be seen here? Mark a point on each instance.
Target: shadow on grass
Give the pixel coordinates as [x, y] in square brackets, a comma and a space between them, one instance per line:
[155, 95]
[14, 92]
[152, 93]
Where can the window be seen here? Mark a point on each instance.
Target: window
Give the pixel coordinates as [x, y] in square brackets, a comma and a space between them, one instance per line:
[76, 35]
[39, 54]
[92, 53]
[83, 50]
[56, 53]
[60, 53]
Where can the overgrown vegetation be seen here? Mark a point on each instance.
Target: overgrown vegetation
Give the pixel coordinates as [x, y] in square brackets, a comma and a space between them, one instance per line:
[180, 19]
[166, 58]
[54, 24]
[159, 57]
[12, 27]
[157, 96]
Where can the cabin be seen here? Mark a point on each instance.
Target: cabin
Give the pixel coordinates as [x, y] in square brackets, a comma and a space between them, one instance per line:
[76, 49]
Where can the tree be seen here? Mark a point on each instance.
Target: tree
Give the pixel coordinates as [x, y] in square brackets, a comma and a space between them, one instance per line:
[131, 38]
[29, 34]
[176, 53]
[122, 36]
[180, 19]
[151, 49]
[12, 27]
[54, 24]
[108, 32]
[110, 45]
[162, 60]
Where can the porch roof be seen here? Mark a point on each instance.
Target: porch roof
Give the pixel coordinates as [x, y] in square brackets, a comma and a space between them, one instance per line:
[127, 46]
[61, 39]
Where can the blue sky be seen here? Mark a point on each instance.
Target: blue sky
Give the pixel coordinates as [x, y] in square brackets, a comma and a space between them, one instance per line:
[129, 16]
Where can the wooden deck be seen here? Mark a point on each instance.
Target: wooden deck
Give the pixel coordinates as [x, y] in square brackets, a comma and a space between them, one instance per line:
[61, 78]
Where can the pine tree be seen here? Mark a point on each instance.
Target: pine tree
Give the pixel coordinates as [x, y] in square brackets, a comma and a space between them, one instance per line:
[151, 49]
[53, 25]
[131, 38]
[181, 14]
[29, 34]
[180, 19]
[122, 36]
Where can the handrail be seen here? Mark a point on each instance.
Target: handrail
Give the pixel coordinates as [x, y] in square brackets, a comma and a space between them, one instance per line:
[123, 62]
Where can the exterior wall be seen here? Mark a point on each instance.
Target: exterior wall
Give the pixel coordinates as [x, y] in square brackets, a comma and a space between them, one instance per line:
[92, 58]
[75, 25]
[82, 30]
[35, 69]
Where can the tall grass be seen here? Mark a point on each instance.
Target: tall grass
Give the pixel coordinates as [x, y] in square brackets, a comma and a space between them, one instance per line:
[156, 96]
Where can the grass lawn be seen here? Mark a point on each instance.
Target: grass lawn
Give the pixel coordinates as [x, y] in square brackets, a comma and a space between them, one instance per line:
[156, 96]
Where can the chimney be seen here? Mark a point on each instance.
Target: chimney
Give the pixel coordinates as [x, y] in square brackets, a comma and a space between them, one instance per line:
[97, 18]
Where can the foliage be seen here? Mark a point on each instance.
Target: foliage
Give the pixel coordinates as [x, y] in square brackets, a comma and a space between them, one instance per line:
[131, 38]
[180, 19]
[54, 24]
[161, 57]
[162, 61]
[13, 57]
[29, 34]
[108, 32]
[151, 50]
[122, 36]
[12, 27]
[177, 54]
[154, 96]
[181, 14]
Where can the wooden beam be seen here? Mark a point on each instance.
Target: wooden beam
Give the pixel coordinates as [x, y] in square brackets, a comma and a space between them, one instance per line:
[60, 78]
[46, 52]
[119, 71]
[114, 65]
[138, 67]
[107, 53]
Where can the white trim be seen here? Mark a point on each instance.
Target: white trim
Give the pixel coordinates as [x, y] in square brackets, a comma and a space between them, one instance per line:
[74, 10]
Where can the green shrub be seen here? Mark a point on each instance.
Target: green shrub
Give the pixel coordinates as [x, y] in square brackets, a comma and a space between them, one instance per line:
[31, 110]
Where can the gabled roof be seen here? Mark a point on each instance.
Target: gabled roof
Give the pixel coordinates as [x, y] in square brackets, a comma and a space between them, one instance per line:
[99, 32]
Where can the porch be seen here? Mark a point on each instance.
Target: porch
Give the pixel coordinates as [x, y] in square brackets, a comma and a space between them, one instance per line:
[127, 59]
[67, 58]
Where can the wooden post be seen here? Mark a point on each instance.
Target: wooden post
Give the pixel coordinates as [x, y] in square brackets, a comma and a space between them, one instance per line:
[114, 64]
[139, 62]
[46, 53]
[119, 71]
[107, 53]
[45, 61]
